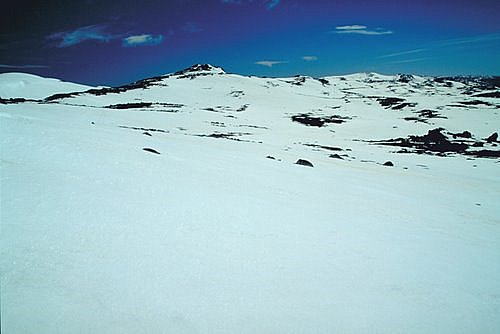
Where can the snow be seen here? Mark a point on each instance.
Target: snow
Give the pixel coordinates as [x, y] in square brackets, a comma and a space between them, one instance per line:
[30, 86]
[212, 237]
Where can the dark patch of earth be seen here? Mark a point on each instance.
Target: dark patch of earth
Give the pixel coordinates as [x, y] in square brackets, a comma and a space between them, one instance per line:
[309, 120]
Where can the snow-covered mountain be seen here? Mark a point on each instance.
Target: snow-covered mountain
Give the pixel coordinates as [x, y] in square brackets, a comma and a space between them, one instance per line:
[29, 86]
[186, 203]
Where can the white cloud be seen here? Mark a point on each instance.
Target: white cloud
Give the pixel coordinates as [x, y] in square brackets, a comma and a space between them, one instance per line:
[352, 27]
[310, 58]
[145, 39]
[70, 38]
[360, 30]
[270, 63]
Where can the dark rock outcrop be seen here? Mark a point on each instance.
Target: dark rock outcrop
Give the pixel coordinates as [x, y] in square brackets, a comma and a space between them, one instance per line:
[319, 121]
[304, 162]
[151, 150]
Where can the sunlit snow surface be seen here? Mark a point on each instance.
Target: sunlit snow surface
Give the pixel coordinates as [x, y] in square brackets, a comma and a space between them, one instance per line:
[214, 236]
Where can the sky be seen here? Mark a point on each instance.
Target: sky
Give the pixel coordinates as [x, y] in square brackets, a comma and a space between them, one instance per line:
[103, 42]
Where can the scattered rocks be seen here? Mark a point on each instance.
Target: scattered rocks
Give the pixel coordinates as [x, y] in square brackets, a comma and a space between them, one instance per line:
[435, 142]
[237, 93]
[142, 129]
[151, 150]
[16, 100]
[304, 162]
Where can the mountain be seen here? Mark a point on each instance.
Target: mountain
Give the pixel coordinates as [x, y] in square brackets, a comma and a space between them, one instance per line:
[204, 201]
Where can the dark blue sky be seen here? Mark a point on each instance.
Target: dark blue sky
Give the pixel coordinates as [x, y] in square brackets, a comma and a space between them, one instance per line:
[115, 42]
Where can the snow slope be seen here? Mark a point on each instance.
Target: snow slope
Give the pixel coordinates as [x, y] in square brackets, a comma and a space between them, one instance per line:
[30, 86]
[221, 232]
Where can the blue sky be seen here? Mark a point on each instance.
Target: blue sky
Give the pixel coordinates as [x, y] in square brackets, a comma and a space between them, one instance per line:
[115, 42]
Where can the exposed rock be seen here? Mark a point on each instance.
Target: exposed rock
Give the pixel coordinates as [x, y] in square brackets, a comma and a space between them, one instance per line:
[427, 113]
[388, 164]
[475, 103]
[403, 105]
[16, 100]
[323, 81]
[142, 129]
[490, 94]
[151, 150]
[329, 148]
[304, 163]
[336, 156]
[405, 78]
[130, 105]
[465, 134]
[433, 142]
[493, 138]
[389, 102]
[318, 121]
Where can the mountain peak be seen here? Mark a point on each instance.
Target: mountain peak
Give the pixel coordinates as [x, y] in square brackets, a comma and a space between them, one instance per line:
[201, 68]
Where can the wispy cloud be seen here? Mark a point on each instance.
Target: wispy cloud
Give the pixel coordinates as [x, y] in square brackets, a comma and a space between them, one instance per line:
[145, 39]
[402, 53]
[470, 40]
[406, 61]
[360, 30]
[23, 66]
[74, 37]
[270, 63]
[310, 58]
[269, 4]
[191, 27]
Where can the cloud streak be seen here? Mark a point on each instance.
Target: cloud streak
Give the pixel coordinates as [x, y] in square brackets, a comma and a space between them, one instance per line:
[144, 39]
[402, 53]
[270, 63]
[80, 35]
[406, 61]
[272, 3]
[23, 66]
[269, 4]
[360, 30]
[310, 58]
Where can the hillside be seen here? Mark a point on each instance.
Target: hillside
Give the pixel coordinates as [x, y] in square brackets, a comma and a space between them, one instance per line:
[177, 204]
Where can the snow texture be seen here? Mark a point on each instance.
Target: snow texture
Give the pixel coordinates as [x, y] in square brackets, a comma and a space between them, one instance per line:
[175, 205]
